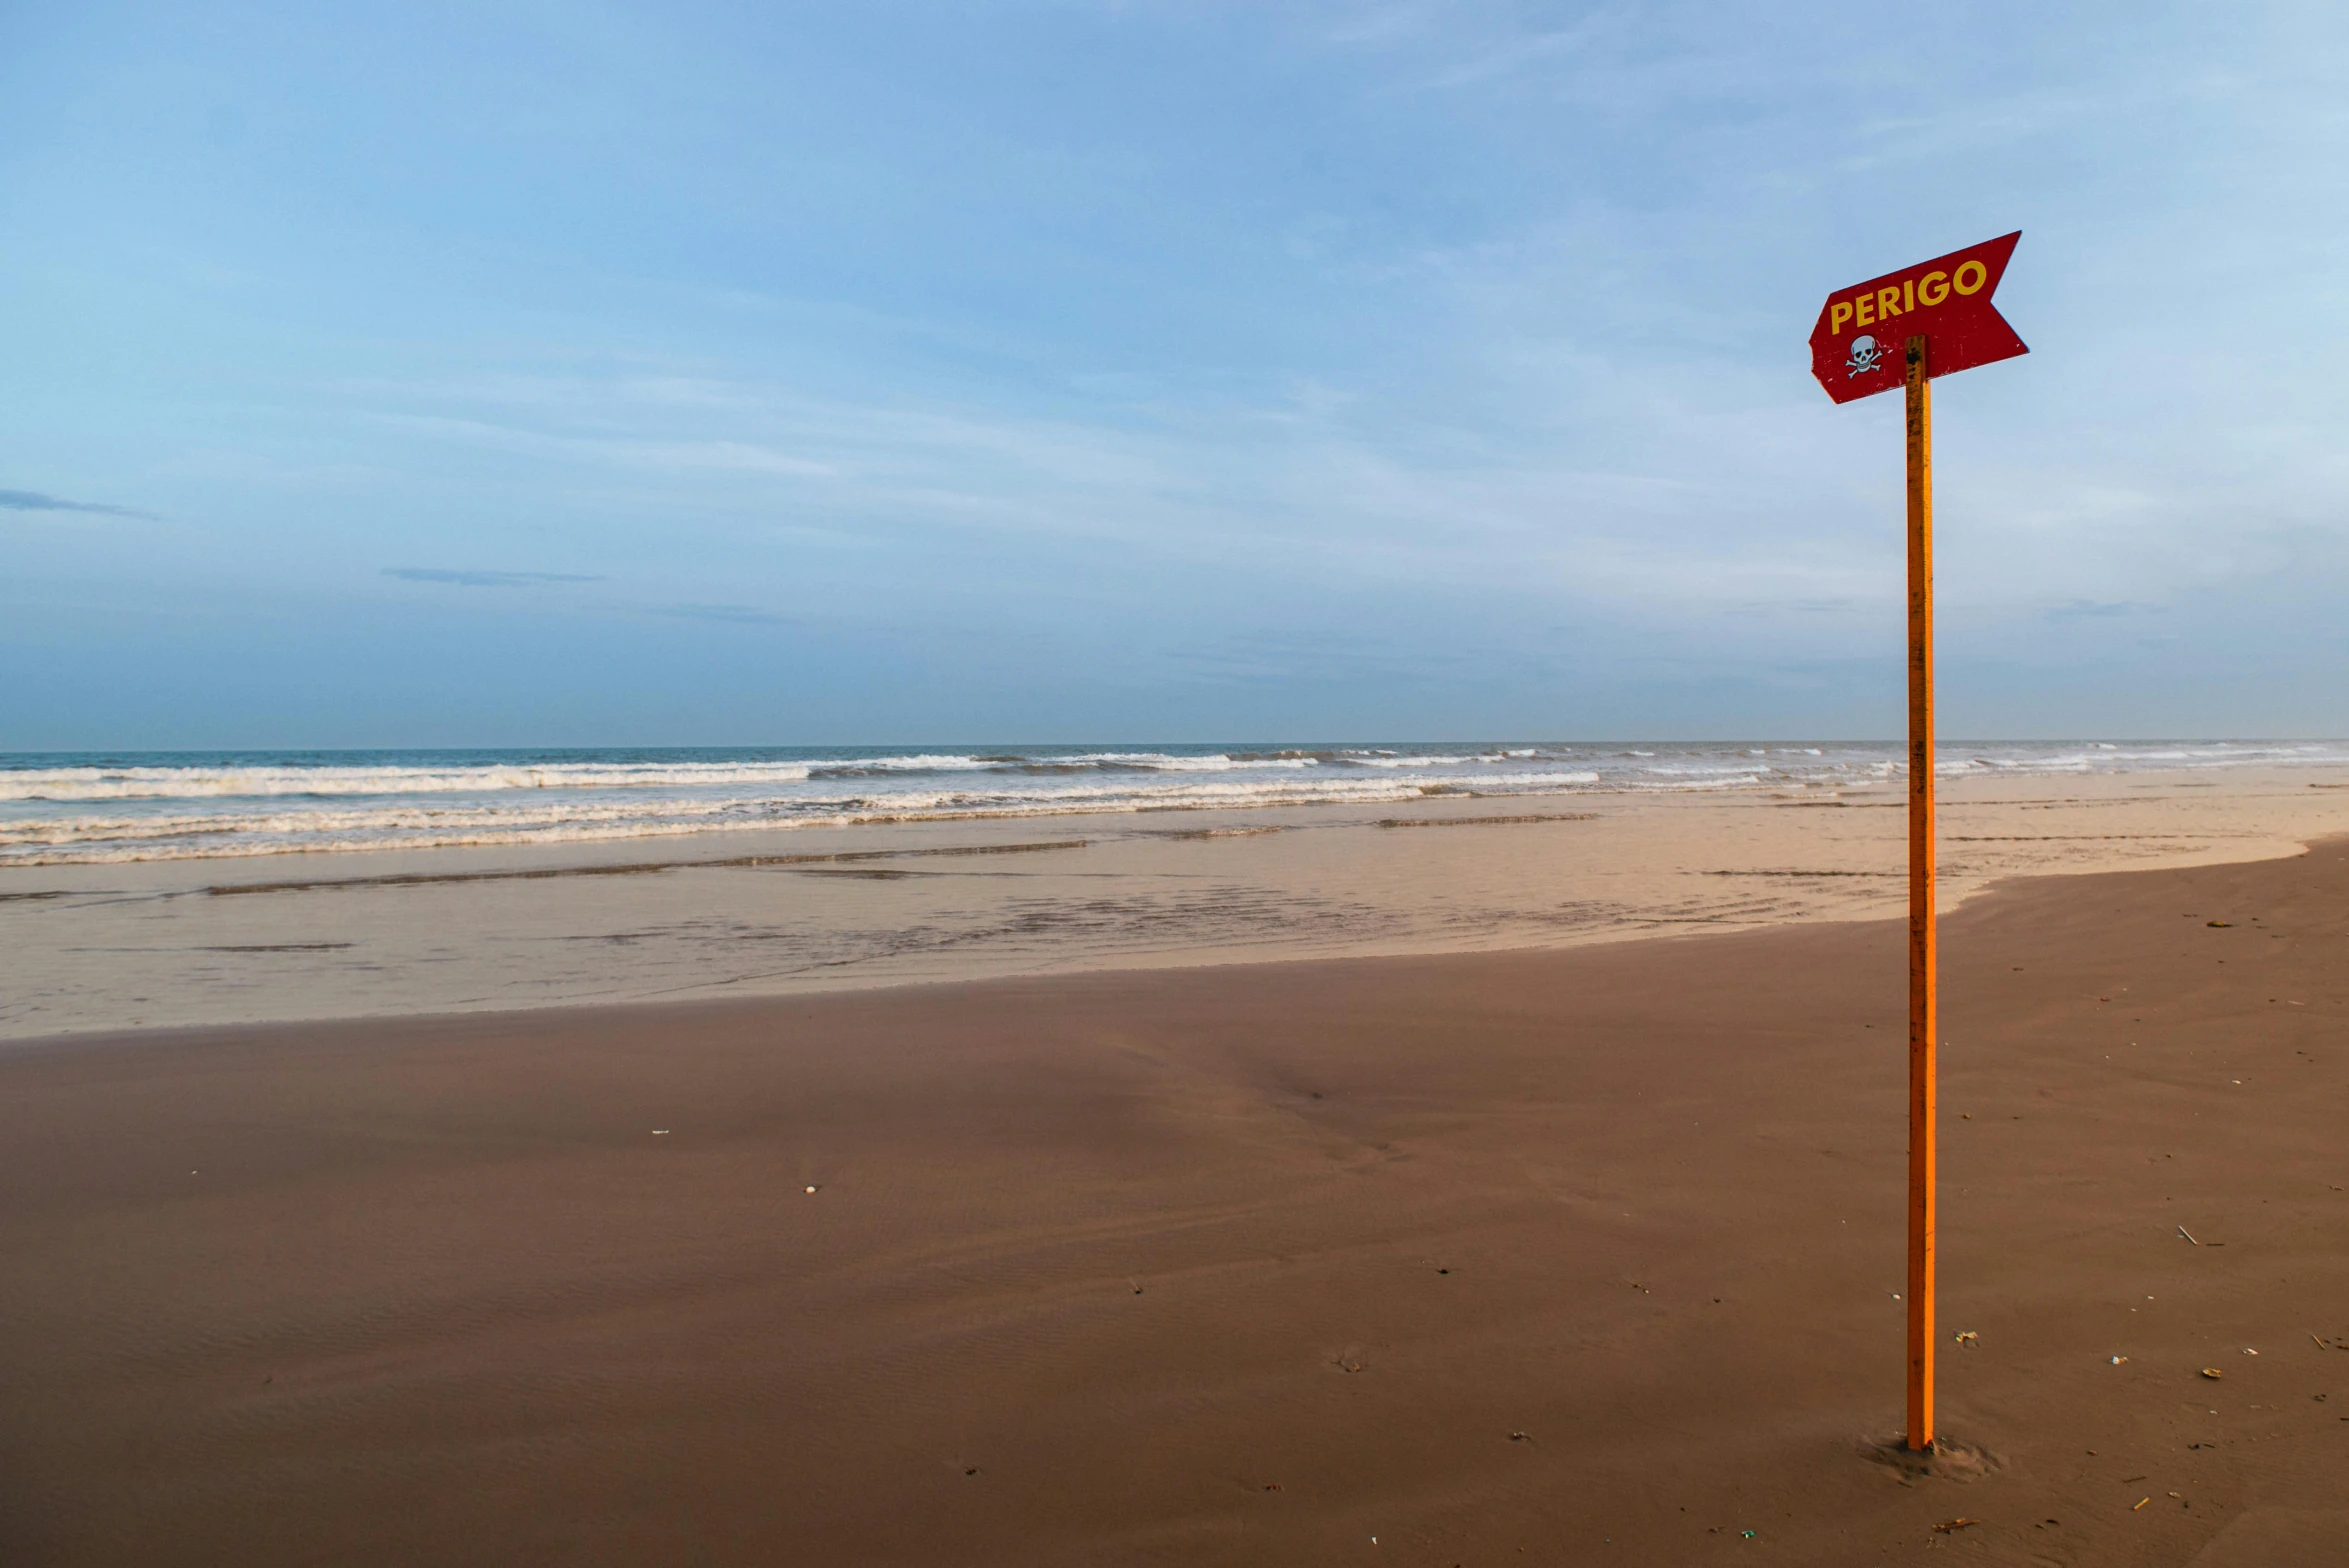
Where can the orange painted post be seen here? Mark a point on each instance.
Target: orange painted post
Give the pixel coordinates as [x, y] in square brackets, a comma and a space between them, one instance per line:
[1944, 303]
[1924, 969]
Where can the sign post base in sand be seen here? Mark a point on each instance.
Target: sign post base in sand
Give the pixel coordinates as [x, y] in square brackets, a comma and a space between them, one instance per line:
[1943, 309]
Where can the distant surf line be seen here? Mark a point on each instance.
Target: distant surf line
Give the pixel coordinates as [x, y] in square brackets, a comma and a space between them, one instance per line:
[127, 807]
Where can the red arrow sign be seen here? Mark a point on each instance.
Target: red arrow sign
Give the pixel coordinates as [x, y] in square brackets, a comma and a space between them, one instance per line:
[1862, 336]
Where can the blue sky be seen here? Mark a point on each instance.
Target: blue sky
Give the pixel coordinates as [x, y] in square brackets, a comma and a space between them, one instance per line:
[596, 373]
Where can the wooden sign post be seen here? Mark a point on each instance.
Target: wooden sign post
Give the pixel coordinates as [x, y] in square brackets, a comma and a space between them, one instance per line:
[1942, 308]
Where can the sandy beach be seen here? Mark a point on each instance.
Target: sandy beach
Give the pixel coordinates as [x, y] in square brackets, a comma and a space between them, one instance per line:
[1351, 785]
[1573, 1254]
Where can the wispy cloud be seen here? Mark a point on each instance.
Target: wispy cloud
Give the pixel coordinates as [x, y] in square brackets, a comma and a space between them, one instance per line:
[472, 579]
[680, 456]
[2079, 608]
[1514, 55]
[739, 614]
[35, 501]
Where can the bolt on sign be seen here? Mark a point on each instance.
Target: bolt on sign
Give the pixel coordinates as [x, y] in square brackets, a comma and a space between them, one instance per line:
[1902, 330]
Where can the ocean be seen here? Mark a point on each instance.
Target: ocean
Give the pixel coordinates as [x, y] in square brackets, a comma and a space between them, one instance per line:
[64, 808]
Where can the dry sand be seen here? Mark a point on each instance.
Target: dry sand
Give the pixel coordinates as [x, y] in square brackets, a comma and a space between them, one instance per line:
[782, 913]
[1571, 1256]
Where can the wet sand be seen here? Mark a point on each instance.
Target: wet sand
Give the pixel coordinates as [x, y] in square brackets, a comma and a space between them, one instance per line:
[785, 912]
[1565, 1256]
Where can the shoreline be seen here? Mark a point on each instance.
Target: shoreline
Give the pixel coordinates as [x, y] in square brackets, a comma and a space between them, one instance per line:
[1579, 1250]
[128, 808]
[190, 943]
[940, 988]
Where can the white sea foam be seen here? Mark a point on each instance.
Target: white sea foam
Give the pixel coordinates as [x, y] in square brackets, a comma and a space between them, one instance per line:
[94, 809]
[168, 783]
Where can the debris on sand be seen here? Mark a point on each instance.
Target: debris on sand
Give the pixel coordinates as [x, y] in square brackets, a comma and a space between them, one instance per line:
[2213, 1373]
[1952, 1526]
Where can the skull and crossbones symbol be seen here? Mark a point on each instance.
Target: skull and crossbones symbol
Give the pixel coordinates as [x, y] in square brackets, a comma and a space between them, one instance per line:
[1866, 355]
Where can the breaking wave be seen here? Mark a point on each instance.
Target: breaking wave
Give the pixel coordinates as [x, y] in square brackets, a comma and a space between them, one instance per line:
[97, 808]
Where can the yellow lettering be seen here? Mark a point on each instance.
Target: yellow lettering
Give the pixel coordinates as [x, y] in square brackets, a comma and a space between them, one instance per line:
[1933, 288]
[1888, 301]
[1908, 295]
[1837, 314]
[1865, 307]
[1981, 276]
